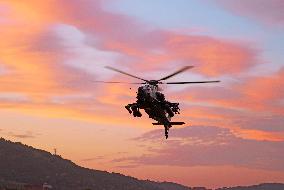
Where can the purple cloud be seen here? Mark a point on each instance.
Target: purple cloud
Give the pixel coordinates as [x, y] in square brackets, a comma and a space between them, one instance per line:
[25, 135]
[270, 12]
[93, 159]
[205, 146]
[11, 98]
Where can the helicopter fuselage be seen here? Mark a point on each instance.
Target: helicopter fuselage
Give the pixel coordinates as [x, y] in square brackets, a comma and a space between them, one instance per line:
[149, 89]
[155, 105]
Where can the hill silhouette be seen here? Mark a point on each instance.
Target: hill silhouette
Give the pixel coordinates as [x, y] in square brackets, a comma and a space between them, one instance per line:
[264, 186]
[24, 164]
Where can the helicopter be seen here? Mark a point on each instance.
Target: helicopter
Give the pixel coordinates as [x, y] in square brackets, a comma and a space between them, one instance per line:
[152, 100]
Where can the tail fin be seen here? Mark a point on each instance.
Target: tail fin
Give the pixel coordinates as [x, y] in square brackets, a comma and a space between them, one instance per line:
[172, 123]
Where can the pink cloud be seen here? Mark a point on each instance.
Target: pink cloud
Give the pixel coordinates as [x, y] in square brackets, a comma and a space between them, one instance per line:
[269, 12]
[139, 42]
[141, 48]
[208, 146]
[255, 93]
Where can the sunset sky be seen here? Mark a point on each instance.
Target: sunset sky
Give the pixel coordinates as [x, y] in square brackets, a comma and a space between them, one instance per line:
[52, 50]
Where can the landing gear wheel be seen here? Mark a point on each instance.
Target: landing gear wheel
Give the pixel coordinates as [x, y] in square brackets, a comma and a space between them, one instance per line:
[128, 109]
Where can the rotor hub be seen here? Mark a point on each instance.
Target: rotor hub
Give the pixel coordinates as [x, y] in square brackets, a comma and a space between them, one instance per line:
[153, 82]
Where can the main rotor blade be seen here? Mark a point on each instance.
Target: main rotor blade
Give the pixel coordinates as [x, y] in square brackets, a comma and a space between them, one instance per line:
[177, 72]
[117, 82]
[119, 71]
[194, 82]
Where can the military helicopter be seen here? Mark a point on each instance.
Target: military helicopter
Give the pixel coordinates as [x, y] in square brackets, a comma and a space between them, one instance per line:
[150, 98]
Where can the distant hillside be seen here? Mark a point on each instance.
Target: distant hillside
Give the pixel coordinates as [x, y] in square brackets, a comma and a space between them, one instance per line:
[24, 164]
[264, 186]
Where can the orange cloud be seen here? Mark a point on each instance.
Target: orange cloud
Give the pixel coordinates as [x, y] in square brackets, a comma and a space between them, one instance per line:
[215, 56]
[259, 93]
[266, 90]
[36, 55]
[244, 124]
